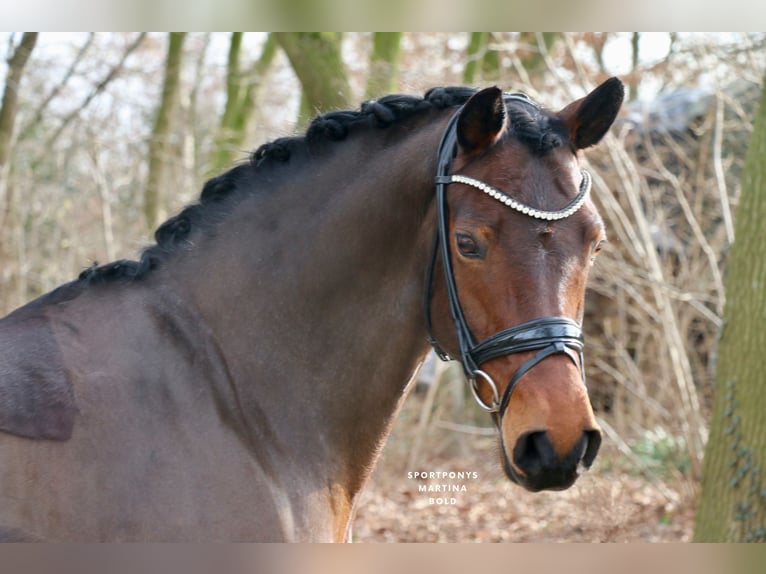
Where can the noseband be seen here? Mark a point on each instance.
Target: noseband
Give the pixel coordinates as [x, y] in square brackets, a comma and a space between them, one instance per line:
[546, 335]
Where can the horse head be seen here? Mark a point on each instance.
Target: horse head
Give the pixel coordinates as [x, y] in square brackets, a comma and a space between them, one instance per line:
[517, 235]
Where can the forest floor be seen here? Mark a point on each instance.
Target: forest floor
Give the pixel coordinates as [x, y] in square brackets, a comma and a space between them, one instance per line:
[613, 502]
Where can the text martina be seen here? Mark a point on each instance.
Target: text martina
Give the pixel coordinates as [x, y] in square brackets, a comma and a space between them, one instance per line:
[445, 486]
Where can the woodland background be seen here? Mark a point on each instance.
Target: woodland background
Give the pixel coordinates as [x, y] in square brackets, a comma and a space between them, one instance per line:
[102, 136]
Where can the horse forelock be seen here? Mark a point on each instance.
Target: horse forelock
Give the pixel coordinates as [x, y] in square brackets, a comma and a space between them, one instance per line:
[535, 128]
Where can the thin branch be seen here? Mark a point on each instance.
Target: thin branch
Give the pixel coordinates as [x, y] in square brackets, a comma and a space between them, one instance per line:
[466, 429]
[37, 117]
[636, 460]
[719, 171]
[100, 87]
[699, 235]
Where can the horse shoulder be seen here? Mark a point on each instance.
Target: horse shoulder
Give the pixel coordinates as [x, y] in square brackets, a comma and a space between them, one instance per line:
[36, 395]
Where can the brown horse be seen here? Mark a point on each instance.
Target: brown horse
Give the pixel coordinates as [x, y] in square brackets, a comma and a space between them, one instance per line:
[237, 382]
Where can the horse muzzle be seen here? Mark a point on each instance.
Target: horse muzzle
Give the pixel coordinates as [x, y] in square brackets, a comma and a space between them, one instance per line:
[549, 433]
[535, 465]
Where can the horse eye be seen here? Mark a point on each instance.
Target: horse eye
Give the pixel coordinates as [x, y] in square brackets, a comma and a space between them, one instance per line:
[467, 245]
[597, 249]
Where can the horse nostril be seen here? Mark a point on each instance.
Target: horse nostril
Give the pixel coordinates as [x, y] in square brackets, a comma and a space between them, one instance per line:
[533, 452]
[541, 466]
[594, 442]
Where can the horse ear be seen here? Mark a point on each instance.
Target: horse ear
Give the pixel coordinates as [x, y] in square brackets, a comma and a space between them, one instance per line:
[589, 118]
[482, 120]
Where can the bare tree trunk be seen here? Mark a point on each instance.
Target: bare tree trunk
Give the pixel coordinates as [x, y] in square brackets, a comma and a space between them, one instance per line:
[10, 102]
[10, 226]
[633, 77]
[316, 59]
[160, 144]
[475, 54]
[241, 99]
[597, 41]
[28, 129]
[732, 504]
[194, 163]
[384, 64]
[534, 61]
[483, 61]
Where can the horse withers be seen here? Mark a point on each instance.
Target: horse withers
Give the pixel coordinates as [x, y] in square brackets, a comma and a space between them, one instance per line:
[238, 380]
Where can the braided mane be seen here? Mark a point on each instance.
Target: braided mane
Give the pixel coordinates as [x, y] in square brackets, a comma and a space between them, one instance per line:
[529, 124]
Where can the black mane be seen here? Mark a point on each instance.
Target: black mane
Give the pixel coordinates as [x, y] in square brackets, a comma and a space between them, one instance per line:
[528, 123]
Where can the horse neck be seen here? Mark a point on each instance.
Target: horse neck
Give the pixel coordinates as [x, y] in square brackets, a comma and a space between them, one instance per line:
[314, 293]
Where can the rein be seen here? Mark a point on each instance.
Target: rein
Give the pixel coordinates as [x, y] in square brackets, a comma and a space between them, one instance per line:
[546, 335]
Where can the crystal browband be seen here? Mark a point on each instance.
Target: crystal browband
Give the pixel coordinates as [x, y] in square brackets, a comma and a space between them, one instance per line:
[502, 197]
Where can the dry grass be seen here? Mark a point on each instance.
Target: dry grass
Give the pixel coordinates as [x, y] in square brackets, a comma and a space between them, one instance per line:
[656, 299]
[614, 502]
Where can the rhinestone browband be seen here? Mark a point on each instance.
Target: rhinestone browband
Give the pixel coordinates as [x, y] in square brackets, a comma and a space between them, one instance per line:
[500, 196]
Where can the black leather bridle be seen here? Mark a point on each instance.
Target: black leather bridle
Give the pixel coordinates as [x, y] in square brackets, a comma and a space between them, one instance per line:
[546, 335]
